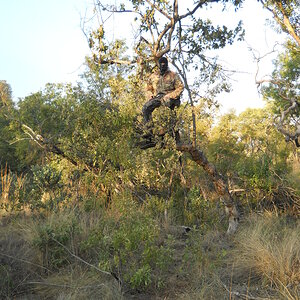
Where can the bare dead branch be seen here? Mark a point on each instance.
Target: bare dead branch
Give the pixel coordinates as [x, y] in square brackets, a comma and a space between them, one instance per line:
[86, 263]
[25, 261]
[258, 59]
[116, 62]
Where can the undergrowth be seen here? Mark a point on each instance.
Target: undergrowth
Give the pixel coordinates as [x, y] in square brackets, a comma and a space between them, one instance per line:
[130, 249]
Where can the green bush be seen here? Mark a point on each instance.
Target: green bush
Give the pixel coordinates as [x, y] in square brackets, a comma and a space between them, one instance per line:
[51, 238]
[198, 211]
[129, 246]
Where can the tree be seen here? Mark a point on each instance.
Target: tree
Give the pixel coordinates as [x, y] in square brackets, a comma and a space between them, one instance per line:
[7, 150]
[163, 29]
[286, 14]
[283, 90]
[283, 87]
[5, 94]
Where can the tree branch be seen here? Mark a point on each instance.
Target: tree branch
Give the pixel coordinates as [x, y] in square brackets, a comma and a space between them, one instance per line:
[85, 262]
[283, 22]
[219, 183]
[116, 62]
[47, 145]
[159, 9]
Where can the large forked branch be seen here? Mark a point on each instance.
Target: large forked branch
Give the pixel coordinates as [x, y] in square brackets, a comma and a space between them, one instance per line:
[170, 27]
[157, 48]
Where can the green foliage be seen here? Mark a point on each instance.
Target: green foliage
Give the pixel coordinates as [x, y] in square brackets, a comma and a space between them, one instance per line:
[7, 149]
[128, 246]
[200, 212]
[51, 237]
[141, 278]
[46, 177]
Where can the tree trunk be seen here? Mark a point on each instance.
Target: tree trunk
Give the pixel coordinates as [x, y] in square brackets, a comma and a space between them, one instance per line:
[219, 183]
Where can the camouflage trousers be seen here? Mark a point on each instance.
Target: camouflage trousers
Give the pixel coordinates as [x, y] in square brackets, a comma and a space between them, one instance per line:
[156, 102]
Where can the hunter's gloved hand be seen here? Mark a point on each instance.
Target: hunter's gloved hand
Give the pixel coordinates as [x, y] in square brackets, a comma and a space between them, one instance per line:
[165, 99]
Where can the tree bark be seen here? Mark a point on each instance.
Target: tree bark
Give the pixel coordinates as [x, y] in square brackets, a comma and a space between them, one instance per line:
[219, 183]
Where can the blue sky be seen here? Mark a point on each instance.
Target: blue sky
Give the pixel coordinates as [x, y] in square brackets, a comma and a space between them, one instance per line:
[41, 42]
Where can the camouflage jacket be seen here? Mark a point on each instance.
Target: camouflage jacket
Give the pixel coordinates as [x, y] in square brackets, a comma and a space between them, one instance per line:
[169, 83]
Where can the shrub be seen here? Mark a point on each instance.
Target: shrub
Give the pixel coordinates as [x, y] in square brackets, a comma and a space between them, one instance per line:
[128, 245]
[51, 236]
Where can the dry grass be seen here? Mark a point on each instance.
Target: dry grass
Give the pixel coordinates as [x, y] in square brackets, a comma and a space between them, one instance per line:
[24, 269]
[6, 181]
[261, 262]
[76, 283]
[270, 247]
[11, 189]
[18, 262]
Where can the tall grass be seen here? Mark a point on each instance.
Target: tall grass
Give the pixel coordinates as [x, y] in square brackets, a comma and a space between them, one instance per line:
[6, 182]
[12, 190]
[269, 246]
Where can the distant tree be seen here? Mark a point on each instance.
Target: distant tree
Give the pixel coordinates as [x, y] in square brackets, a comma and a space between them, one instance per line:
[7, 150]
[283, 90]
[5, 94]
[283, 86]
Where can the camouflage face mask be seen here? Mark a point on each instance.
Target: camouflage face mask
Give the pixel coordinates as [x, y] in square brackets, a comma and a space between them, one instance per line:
[163, 65]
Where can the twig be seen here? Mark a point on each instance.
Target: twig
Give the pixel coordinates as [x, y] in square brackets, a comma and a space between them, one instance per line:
[85, 262]
[25, 261]
[64, 285]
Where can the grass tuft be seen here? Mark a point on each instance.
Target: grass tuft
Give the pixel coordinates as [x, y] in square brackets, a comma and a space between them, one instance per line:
[270, 247]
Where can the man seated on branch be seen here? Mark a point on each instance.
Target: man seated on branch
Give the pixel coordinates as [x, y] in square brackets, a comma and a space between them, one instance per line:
[163, 88]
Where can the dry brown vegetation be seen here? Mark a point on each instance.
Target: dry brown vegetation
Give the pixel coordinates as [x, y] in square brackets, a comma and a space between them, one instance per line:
[260, 262]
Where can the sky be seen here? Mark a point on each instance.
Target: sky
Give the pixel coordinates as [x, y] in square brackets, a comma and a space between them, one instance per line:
[42, 42]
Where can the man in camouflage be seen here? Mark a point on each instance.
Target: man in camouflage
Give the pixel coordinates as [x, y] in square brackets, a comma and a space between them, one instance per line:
[163, 87]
